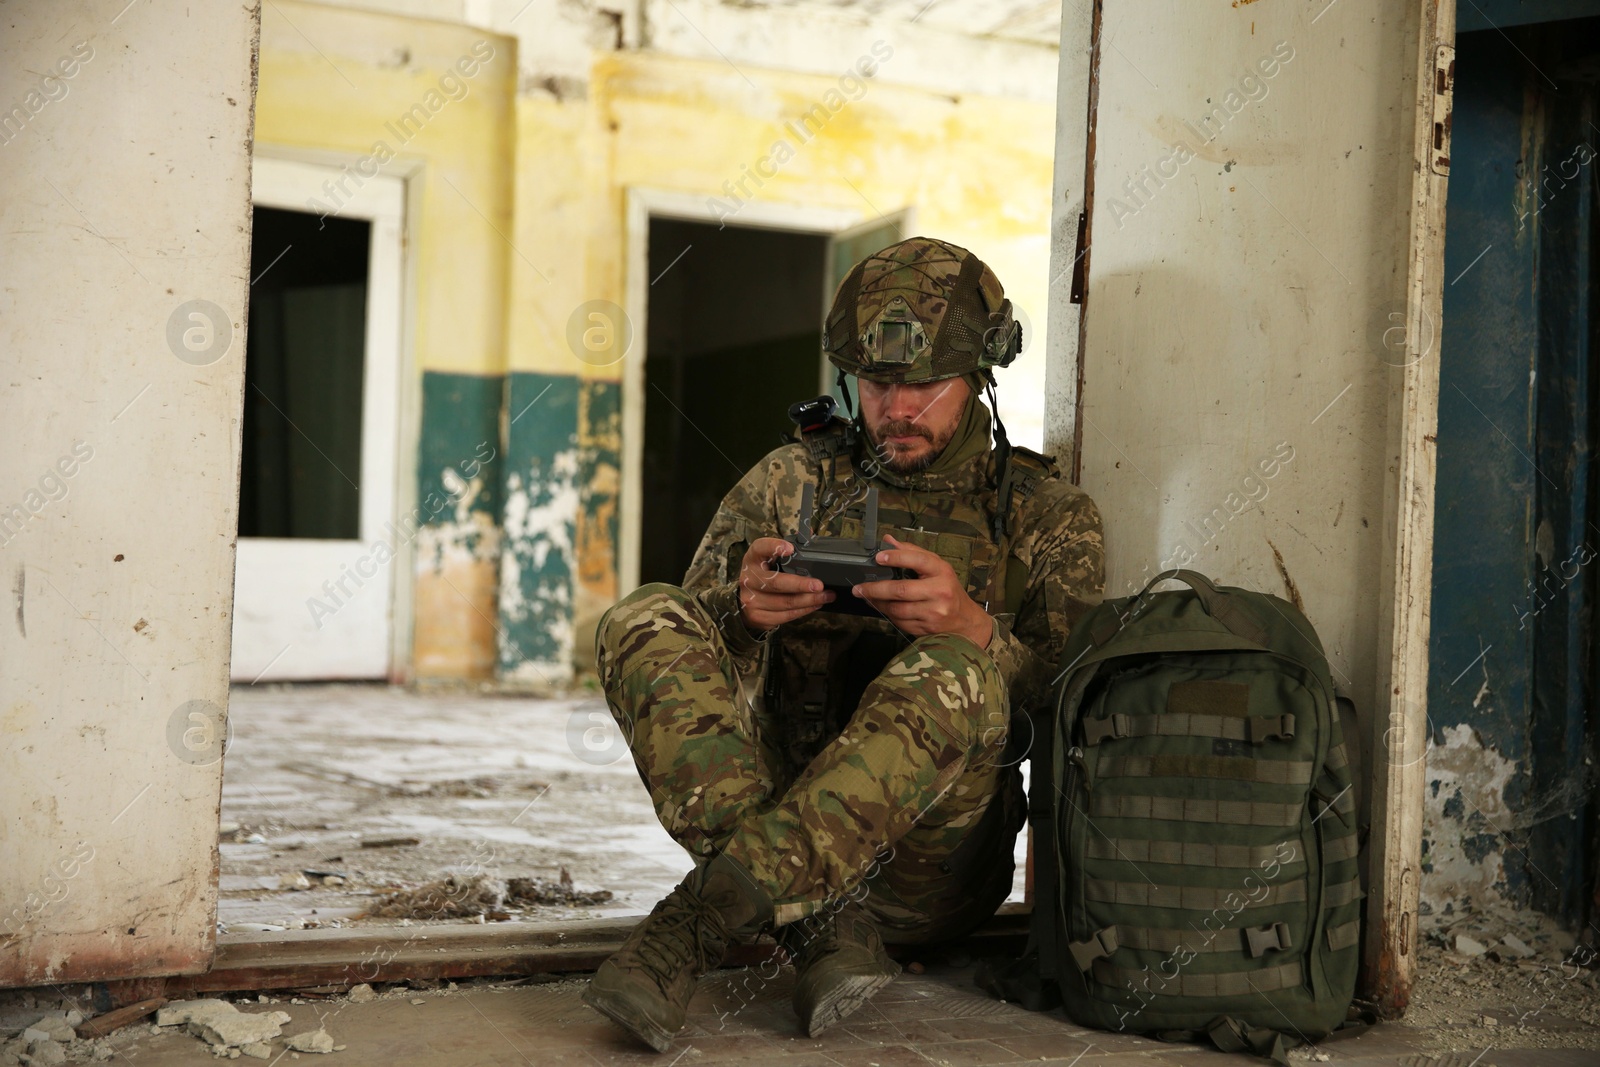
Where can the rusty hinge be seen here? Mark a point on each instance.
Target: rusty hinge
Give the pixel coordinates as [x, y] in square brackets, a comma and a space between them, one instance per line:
[1080, 268]
[1444, 83]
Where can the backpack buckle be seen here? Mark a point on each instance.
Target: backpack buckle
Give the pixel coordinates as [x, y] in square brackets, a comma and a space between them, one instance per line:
[1268, 729]
[1273, 937]
[1114, 728]
[1100, 945]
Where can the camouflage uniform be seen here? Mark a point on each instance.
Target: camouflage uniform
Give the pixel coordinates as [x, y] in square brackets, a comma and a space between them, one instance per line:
[836, 752]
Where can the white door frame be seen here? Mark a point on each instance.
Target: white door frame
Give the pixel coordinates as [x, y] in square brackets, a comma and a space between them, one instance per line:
[291, 181]
[644, 204]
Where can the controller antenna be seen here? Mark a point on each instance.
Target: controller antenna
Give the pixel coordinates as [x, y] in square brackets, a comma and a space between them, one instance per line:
[803, 533]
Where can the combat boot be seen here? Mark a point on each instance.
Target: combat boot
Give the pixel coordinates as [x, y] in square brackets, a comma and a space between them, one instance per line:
[646, 984]
[841, 963]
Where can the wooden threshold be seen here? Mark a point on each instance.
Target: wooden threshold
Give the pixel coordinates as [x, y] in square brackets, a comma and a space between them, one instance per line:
[341, 958]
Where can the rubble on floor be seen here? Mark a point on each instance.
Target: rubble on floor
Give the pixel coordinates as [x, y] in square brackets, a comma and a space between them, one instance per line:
[450, 897]
[464, 896]
[536, 891]
[336, 797]
[1492, 974]
[219, 1023]
[51, 1038]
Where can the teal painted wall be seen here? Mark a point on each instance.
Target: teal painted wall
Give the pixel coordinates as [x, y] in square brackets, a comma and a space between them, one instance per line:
[460, 433]
[599, 483]
[539, 511]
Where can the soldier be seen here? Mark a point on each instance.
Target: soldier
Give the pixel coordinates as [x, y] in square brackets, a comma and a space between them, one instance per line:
[844, 780]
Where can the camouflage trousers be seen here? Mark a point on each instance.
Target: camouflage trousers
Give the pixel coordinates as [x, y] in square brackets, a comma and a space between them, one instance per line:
[911, 810]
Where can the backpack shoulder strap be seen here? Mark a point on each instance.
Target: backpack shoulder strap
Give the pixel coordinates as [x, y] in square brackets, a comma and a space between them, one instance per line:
[1026, 470]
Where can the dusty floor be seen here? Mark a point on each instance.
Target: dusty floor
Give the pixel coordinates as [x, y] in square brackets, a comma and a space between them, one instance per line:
[382, 789]
[362, 791]
[934, 1018]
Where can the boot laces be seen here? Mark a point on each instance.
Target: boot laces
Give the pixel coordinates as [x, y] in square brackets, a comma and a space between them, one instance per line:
[679, 938]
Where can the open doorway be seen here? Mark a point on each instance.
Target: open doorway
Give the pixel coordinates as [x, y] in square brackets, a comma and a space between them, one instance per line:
[313, 598]
[1513, 727]
[734, 337]
[303, 367]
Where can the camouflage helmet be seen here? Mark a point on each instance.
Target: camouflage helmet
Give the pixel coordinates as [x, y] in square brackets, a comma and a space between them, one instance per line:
[920, 311]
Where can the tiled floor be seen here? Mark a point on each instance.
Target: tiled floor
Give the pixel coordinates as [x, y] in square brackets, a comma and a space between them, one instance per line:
[935, 1018]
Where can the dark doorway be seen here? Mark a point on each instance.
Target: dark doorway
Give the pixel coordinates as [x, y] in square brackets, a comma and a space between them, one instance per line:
[1517, 526]
[301, 463]
[735, 337]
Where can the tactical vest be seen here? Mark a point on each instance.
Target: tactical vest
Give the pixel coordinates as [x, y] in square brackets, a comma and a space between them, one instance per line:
[818, 667]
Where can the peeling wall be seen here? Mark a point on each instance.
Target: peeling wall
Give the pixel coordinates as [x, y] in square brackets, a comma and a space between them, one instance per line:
[519, 190]
[1466, 811]
[460, 470]
[541, 515]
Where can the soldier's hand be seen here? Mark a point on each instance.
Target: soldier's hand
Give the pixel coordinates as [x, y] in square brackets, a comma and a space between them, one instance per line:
[769, 598]
[934, 602]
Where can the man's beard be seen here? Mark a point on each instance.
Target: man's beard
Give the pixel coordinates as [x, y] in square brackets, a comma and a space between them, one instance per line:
[893, 460]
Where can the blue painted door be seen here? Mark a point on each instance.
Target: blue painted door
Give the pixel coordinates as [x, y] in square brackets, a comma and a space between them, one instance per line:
[1510, 810]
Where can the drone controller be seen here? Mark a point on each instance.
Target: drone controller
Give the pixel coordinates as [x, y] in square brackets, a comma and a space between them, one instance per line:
[840, 563]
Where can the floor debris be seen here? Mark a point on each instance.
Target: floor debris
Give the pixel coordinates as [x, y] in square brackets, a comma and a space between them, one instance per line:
[101, 1025]
[49, 1039]
[471, 784]
[221, 1024]
[310, 1041]
[1509, 977]
[450, 897]
[526, 891]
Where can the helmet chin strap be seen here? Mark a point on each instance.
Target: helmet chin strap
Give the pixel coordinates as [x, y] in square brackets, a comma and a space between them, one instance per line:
[1002, 451]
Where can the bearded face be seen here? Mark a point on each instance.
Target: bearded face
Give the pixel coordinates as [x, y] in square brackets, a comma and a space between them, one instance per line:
[909, 425]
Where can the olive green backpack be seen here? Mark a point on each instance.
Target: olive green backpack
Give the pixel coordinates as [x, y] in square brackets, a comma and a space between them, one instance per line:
[1196, 869]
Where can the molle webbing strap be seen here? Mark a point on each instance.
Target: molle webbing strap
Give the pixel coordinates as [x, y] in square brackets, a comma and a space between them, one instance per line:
[1343, 847]
[1343, 803]
[1232, 768]
[1186, 984]
[1338, 757]
[1191, 853]
[899, 518]
[1261, 728]
[1188, 897]
[1344, 935]
[1343, 893]
[1178, 809]
[1160, 939]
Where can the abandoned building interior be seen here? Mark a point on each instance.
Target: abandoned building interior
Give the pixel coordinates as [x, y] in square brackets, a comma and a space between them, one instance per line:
[363, 353]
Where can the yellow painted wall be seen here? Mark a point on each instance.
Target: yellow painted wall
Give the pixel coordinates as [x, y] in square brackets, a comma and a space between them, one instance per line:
[335, 86]
[334, 81]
